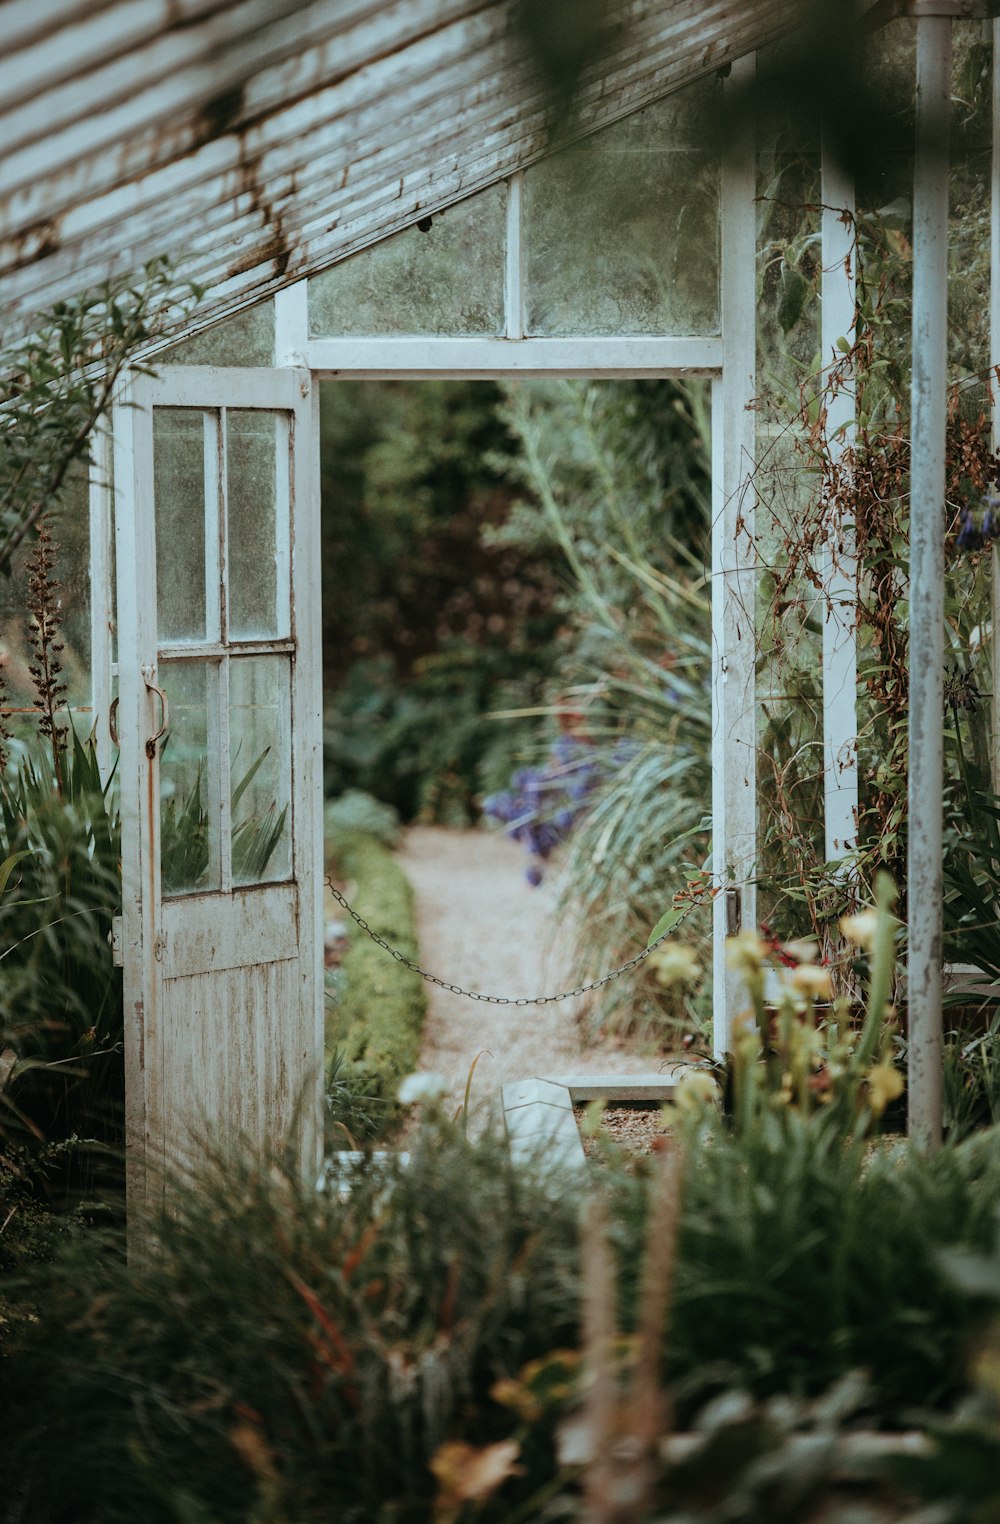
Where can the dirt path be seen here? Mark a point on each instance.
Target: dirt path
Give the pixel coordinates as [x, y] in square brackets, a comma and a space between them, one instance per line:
[481, 926]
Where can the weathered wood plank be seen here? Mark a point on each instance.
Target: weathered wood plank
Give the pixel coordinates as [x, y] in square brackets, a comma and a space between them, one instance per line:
[333, 125]
[261, 925]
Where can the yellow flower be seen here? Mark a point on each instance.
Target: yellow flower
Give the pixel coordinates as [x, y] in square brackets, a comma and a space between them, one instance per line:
[466, 1473]
[860, 928]
[885, 1084]
[811, 980]
[675, 963]
[696, 1090]
[802, 949]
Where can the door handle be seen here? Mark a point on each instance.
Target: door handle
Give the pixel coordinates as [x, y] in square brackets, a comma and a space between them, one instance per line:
[147, 677]
[112, 722]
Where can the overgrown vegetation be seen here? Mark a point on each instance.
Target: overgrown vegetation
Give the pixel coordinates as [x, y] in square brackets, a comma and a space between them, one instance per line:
[61, 1069]
[61, 1073]
[417, 1338]
[814, 495]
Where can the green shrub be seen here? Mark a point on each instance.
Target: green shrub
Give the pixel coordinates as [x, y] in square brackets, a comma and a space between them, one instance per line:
[30, 1235]
[282, 1355]
[355, 811]
[375, 1018]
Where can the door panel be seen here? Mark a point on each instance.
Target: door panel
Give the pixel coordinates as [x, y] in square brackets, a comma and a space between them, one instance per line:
[261, 925]
[217, 533]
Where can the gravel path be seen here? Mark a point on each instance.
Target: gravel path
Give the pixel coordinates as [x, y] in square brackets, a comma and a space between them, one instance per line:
[481, 925]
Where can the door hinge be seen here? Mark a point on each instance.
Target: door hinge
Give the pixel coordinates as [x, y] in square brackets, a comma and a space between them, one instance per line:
[115, 938]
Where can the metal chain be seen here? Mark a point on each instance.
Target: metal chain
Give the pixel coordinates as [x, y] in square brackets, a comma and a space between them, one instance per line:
[456, 989]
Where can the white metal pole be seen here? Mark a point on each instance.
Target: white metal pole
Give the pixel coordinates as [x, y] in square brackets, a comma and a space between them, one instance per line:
[734, 715]
[927, 485]
[838, 571]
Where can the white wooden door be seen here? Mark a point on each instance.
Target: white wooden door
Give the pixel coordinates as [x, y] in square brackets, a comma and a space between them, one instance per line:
[219, 719]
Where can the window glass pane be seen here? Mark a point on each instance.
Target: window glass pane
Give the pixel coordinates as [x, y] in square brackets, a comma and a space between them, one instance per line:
[261, 772]
[622, 231]
[252, 458]
[246, 339]
[444, 278]
[179, 496]
[189, 812]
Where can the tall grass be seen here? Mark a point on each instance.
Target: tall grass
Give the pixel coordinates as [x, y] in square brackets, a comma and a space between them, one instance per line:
[60, 995]
[618, 481]
[278, 1355]
[281, 1355]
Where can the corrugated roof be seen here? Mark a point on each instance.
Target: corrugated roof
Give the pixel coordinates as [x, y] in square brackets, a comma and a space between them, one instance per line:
[255, 141]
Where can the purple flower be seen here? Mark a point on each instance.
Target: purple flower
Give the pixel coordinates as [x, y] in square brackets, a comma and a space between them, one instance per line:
[969, 536]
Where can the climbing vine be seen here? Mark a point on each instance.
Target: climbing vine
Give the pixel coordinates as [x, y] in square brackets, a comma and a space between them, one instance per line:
[817, 496]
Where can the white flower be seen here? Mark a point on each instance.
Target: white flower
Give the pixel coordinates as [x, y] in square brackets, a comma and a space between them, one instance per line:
[802, 949]
[861, 928]
[812, 980]
[677, 963]
[423, 1086]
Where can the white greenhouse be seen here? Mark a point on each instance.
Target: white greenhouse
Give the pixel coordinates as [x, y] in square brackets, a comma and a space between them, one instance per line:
[370, 189]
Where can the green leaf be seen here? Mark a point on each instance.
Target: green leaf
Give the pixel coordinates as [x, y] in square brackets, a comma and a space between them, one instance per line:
[9, 864]
[665, 924]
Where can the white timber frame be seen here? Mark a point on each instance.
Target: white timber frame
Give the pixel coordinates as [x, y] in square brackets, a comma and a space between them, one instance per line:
[102, 651]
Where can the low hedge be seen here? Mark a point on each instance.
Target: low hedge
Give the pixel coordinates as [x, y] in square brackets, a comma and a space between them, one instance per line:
[375, 1020]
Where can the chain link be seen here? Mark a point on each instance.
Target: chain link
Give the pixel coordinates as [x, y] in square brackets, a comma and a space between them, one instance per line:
[456, 989]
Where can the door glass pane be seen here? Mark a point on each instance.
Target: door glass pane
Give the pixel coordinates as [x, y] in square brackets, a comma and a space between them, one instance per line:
[443, 276]
[622, 231]
[252, 459]
[260, 746]
[189, 813]
[179, 497]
